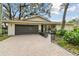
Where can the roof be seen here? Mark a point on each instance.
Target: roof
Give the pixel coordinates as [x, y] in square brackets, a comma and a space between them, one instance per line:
[27, 20]
[33, 19]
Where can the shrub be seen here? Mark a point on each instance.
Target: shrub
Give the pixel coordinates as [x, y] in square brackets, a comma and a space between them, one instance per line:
[76, 29]
[62, 42]
[72, 36]
[44, 34]
[4, 31]
[61, 32]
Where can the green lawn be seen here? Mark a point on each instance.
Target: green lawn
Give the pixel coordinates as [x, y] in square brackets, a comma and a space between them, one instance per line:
[0, 30]
[69, 47]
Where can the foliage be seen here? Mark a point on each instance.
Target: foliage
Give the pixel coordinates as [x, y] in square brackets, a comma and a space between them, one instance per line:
[61, 32]
[72, 36]
[0, 31]
[44, 34]
[3, 37]
[23, 10]
[69, 36]
[72, 21]
[0, 11]
[70, 47]
[4, 31]
[62, 42]
[0, 19]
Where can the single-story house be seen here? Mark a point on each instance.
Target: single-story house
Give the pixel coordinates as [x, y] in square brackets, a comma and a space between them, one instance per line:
[32, 25]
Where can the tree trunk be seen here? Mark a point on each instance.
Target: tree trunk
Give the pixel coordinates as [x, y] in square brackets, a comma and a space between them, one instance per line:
[0, 19]
[19, 11]
[64, 16]
[10, 15]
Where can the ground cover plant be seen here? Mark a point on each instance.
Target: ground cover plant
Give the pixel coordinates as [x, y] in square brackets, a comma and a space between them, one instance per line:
[69, 40]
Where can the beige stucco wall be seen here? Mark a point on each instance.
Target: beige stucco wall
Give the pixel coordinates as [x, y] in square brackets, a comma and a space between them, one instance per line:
[67, 27]
[11, 25]
[34, 21]
[39, 19]
[11, 29]
[39, 27]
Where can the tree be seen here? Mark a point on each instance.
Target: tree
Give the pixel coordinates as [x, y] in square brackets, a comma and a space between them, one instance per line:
[29, 9]
[72, 21]
[64, 14]
[0, 20]
[45, 8]
[19, 11]
[24, 10]
[7, 11]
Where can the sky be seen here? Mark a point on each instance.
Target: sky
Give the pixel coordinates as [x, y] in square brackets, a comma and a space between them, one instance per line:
[72, 12]
[56, 14]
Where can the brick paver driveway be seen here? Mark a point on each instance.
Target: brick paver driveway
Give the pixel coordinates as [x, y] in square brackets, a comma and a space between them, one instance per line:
[33, 45]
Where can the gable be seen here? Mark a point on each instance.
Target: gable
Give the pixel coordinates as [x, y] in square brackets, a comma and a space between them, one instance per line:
[37, 19]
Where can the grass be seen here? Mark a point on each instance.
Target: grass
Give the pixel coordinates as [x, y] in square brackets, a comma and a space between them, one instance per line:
[3, 37]
[69, 47]
[0, 30]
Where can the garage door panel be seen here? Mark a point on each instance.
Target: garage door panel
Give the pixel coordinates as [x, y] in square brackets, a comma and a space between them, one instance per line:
[26, 29]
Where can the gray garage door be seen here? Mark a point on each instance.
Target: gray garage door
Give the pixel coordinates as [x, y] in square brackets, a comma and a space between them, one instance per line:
[26, 29]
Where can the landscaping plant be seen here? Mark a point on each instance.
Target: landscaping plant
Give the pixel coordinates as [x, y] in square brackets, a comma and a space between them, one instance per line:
[61, 32]
[72, 36]
[69, 36]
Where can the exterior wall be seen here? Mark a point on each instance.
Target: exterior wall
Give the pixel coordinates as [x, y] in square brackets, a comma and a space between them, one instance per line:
[11, 26]
[58, 27]
[39, 29]
[11, 29]
[67, 27]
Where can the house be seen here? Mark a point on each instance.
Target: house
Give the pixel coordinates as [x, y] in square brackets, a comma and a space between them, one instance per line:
[32, 25]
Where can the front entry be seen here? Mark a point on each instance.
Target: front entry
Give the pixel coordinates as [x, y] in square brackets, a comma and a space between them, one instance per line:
[26, 29]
